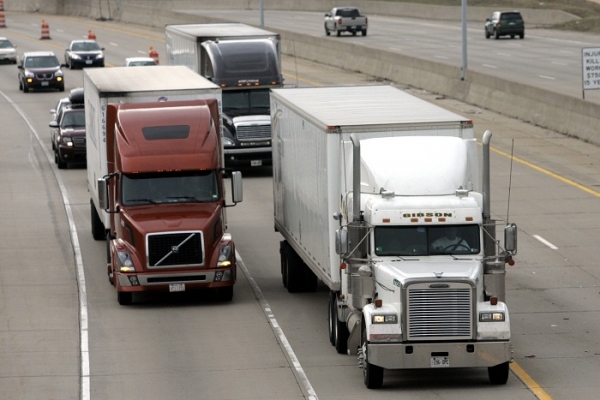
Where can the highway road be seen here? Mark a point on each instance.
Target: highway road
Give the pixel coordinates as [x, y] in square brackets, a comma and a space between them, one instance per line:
[64, 336]
[548, 59]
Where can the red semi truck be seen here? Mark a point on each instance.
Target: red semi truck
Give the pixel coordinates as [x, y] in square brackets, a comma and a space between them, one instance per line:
[156, 176]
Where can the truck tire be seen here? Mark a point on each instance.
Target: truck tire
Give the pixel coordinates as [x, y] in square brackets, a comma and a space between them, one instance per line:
[283, 253]
[327, 33]
[373, 374]
[338, 32]
[125, 298]
[98, 230]
[341, 333]
[331, 313]
[294, 272]
[499, 374]
[364, 32]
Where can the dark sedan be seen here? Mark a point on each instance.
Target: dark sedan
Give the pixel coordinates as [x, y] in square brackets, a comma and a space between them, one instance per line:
[84, 53]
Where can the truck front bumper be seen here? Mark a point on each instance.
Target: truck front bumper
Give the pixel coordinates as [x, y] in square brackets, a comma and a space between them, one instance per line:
[204, 279]
[424, 355]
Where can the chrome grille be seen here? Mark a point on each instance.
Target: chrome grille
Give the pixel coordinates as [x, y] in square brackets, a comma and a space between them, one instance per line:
[176, 249]
[253, 132]
[439, 313]
[44, 77]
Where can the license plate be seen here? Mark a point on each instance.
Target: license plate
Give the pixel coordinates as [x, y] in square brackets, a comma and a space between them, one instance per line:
[353, 27]
[440, 362]
[255, 163]
[177, 287]
[44, 83]
[88, 61]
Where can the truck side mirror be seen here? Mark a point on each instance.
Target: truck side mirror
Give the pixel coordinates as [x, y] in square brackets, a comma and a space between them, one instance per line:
[237, 194]
[510, 238]
[103, 193]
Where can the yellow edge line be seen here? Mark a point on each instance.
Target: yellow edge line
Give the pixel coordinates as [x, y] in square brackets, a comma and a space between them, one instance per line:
[529, 382]
[549, 173]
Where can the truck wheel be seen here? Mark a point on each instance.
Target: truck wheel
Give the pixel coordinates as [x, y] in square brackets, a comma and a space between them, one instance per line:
[294, 272]
[499, 374]
[487, 34]
[283, 254]
[124, 298]
[225, 293]
[364, 32]
[97, 225]
[341, 331]
[327, 33]
[331, 313]
[373, 374]
[496, 34]
[338, 32]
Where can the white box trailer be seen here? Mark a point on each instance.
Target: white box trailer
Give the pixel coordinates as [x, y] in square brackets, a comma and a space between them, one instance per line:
[310, 126]
[103, 86]
[367, 182]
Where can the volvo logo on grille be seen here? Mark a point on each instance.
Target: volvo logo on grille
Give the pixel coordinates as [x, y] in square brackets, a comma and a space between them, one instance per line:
[439, 286]
[175, 249]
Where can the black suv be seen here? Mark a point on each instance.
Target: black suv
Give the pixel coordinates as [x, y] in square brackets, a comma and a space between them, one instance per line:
[68, 131]
[505, 23]
[40, 70]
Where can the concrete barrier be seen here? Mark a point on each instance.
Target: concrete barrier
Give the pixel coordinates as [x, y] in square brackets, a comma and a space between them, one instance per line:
[554, 111]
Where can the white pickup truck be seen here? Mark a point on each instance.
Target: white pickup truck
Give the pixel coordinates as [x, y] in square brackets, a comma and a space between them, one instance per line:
[345, 19]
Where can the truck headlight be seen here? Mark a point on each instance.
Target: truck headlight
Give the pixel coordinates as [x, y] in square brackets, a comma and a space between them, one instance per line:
[492, 317]
[124, 262]
[67, 141]
[384, 319]
[225, 257]
[228, 142]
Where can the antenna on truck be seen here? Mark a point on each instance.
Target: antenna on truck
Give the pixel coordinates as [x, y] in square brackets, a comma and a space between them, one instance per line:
[512, 150]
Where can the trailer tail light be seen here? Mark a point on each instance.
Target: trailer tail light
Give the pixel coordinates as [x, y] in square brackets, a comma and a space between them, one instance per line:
[366, 20]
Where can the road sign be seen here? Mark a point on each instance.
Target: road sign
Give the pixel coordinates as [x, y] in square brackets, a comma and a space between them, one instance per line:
[591, 67]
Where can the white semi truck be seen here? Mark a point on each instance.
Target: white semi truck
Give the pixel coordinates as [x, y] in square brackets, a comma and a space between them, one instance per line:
[377, 194]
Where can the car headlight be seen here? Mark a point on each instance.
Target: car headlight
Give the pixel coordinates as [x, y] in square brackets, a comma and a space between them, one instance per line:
[75, 56]
[228, 142]
[496, 316]
[67, 141]
[124, 262]
[384, 319]
[99, 56]
[29, 74]
[225, 257]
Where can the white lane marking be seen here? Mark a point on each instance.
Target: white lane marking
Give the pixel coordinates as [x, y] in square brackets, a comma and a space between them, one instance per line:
[547, 77]
[544, 241]
[559, 63]
[301, 378]
[490, 66]
[503, 54]
[114, 44]
[83, 312]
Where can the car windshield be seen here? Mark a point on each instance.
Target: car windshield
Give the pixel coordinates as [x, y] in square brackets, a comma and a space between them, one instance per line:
[426, 240]
[85, 46]
[41, 62]
[73, 119]
[246, 101]
[176, 187]
[5, 44]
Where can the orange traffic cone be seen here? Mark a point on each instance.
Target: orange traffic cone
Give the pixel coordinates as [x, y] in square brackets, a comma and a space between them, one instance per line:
[91, 35]
[153, 54]
[45, 30]
[2, 20]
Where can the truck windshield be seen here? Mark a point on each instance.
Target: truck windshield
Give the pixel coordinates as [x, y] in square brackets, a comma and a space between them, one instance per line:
[180, 187]
[246, 102]
[426, 240]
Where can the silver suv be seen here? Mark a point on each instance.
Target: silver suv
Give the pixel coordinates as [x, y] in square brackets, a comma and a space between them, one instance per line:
[40, 70]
